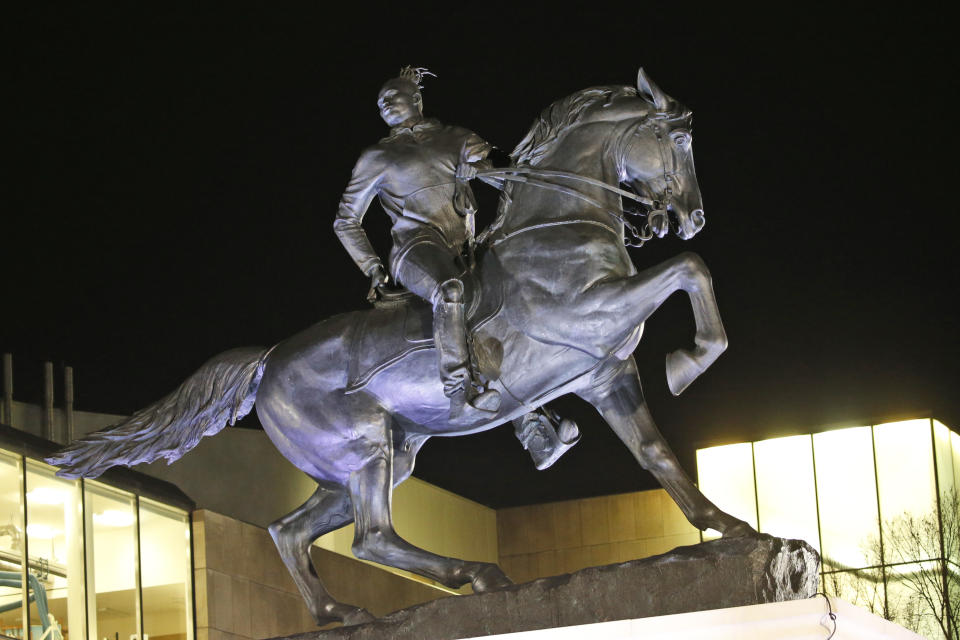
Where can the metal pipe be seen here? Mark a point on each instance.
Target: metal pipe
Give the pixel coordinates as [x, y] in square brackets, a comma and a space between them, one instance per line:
[68, 403]
[7, 417]
[48, 400]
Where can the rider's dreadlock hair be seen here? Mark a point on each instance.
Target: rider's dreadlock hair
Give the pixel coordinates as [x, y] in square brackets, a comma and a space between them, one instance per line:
[415, 75]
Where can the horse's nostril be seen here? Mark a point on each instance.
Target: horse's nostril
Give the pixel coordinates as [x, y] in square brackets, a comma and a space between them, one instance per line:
[698, 219]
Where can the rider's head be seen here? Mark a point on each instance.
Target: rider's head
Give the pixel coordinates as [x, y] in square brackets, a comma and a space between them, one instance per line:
[400, 100]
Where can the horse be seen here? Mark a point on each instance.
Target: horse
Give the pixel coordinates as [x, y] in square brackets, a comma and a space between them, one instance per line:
[558, 307]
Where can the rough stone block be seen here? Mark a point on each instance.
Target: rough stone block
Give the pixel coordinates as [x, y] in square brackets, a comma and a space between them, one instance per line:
[713, 575]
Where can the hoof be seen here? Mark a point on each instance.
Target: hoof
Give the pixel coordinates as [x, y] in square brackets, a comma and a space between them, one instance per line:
[357, 616]
[682, 370]
[490, 578]
[740, 530]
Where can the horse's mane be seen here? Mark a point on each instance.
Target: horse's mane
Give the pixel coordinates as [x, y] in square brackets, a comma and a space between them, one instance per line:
[560, 115]
[552, 121]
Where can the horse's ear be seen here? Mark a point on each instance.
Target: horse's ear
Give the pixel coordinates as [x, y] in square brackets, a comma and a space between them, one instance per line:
[651, 92]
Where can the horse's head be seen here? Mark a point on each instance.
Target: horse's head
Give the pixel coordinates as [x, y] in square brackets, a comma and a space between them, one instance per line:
[657, 162]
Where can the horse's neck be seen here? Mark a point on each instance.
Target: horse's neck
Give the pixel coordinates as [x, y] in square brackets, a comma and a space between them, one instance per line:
[557, 199]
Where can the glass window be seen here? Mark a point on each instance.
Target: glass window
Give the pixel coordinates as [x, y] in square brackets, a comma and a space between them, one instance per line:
[863, 588]
[11, 546]
[725, 476]
[111, 528]
[905, 475]
[165, 572]
[911, 589]
[785, 488]
[955, 450]
[943, 447]
[55, 542]
[847, 494]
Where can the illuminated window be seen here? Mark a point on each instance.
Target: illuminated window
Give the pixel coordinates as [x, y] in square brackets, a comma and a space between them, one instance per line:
[906, 606]
[111, 528]
[90, 547]
[165, 572]
[905, 473]
[11, 546]
[863, 475]
[943, 446]
[726, 478]
[861, 588]
[786, 497]
[55, 543]
[847, 494]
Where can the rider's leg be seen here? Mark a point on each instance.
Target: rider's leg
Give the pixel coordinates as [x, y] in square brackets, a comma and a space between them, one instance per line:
[326, 510]
[376, 540]
[429, 270]
[619, 399]
[450, 336]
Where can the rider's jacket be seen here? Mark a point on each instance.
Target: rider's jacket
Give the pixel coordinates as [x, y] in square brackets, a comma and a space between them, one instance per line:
[412, 171]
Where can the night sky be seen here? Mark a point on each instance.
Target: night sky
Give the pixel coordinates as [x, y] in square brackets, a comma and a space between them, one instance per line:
[173, 174]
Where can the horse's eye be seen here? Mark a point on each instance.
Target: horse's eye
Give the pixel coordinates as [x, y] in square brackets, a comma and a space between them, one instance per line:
[681, 139]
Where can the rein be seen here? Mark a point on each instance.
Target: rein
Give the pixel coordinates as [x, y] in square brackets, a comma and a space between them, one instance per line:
[496, 177]
[512, 173]
[545, 179]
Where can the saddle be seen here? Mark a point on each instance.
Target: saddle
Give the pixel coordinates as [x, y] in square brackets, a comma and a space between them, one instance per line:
[401, 323]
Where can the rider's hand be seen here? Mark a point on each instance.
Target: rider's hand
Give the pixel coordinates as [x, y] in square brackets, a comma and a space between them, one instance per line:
[378, 278]
[466, 172]
[465, 169]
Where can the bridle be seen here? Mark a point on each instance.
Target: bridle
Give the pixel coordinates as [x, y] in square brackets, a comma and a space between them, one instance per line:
[657, 217]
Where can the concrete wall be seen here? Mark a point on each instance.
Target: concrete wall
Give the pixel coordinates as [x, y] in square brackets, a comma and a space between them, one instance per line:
[560, 537]
[29, 418]
[243, 590]
[239, 473]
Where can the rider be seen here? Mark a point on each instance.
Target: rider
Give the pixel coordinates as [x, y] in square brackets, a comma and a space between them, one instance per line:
[421, 173]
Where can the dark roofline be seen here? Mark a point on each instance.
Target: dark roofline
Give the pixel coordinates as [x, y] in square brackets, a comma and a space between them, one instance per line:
[863, 421]
[37, 448]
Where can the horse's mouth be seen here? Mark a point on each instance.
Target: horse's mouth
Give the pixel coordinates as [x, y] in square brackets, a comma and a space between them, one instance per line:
[687, 226]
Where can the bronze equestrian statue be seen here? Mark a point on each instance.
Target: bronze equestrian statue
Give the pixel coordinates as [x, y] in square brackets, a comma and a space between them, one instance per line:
[554, 306]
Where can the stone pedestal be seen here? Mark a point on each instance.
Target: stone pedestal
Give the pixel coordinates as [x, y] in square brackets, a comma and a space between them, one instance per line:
[713, 575]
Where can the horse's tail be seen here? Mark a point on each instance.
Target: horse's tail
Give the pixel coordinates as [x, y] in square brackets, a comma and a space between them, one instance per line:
[222, 390]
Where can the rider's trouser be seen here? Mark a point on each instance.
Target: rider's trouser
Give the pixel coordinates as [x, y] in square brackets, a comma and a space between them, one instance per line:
[430, 269]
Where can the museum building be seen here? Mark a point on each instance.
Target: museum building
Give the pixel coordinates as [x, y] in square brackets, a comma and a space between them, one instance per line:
[131, 556]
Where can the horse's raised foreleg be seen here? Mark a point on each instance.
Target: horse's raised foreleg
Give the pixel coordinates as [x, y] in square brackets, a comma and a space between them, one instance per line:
[683, 365]
[326, 510]
[376, 539]
[619, 399]
[612, 309]
[643, 293]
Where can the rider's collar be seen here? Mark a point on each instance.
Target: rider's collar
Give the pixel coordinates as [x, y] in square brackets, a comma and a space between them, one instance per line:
[399, 130]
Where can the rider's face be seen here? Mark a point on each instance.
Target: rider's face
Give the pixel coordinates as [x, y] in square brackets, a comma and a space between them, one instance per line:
[399, 101]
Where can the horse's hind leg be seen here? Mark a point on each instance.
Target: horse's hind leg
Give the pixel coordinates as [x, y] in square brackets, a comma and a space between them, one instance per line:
[619, 399]
[376, 540]
[326, 510]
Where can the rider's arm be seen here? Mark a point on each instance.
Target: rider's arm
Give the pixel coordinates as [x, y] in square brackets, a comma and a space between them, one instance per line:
[478, 149]
[473, 154]
[353, 206]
